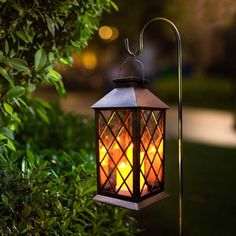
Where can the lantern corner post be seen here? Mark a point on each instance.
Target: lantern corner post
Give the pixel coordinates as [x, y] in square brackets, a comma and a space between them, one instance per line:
[97, 148]
[180, 103]
[136, 156]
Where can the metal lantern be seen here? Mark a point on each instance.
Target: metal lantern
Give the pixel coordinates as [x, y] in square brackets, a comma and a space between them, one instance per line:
[130, 126]
[130, 139]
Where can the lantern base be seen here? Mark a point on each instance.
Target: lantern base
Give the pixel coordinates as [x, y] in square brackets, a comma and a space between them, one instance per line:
[131, 205]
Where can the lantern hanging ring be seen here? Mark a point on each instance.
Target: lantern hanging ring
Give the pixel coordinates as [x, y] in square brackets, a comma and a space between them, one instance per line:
[135, 60]
[180, 118]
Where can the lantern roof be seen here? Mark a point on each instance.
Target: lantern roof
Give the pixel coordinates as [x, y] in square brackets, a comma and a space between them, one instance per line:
[132, 95]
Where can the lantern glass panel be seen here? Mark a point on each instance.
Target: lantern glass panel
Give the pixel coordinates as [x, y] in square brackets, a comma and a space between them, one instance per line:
[151, 151]
[115, 151]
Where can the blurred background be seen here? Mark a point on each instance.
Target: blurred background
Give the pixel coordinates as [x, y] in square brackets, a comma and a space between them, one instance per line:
[208, 35]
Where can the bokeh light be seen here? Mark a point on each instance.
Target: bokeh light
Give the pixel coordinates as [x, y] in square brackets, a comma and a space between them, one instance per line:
[108, 33]
[89, 60]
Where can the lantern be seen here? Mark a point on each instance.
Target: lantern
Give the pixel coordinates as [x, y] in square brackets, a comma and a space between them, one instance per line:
[130, 126]
[130, 140]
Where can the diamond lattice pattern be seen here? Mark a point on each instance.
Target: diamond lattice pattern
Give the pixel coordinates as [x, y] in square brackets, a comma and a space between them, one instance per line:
[115, 151]
[151, 151]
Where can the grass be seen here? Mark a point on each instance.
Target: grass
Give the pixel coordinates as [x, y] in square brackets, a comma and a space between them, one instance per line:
[198, 91]
[209, 194]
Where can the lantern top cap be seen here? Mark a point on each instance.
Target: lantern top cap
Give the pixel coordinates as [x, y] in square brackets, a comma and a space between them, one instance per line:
[130, 93]
[129, 82]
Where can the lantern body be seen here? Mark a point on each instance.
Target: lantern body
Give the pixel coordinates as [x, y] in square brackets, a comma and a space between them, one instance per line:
[130, 126]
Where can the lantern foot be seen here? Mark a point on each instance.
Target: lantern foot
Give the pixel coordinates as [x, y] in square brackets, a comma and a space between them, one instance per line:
[131, 205]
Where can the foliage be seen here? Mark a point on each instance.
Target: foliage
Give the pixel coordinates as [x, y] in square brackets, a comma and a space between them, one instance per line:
[47, 170]
[72, 132]
[45, 190]
[34, 36]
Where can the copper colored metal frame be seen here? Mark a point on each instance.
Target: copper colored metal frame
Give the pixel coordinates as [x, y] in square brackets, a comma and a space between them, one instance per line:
[145, 114]
[135, 201]
[131, 205]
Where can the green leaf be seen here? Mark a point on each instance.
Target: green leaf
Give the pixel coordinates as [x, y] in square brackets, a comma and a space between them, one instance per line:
[54, 75]
[26, 210]
[4, 199]
[58, 204]
[60, 88]
[24, 166]
[114, 5]
[30, 156]
[40, 59]
[10, 145]
[23, 102]
[3, 59]
[51, 26]
[16, 102]
[51, 57]
[16, 117]
[2, 137]
[24, 36]
[8, 108]
[39, 211]
[90, 212]
[8, 133]
[6, 47]
[16, 91]
[18, 8]
[31, 87]
[43, 103]
[42, 115]
[64, 61]
[76, 44]
[19, 64]
[54, 173]
[90, 189]
[12, 53]
[2, 34]
[7, 76]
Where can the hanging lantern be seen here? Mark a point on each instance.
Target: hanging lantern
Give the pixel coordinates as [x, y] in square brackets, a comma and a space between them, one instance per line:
[130, 126]
[130, 131]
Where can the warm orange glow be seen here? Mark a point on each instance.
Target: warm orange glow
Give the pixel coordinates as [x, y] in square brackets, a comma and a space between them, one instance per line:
[89, 60]
[156, 163]
[142, 180]
[160, 151]
[125, 168]
[116, 161]
[104, 165]
[108, 33]
[115, 33]
[105, 32]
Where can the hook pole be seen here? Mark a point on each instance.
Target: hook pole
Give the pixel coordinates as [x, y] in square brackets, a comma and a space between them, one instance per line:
[180, 103]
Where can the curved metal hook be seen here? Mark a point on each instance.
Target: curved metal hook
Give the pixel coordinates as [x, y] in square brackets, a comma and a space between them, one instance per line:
[140, 48]
[126, 41]
[180, 118]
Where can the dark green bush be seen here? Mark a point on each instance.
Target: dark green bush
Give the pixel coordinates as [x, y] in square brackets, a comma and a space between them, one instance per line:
[46, 157]
[68, 132]
[46, 190]
[34, 36]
